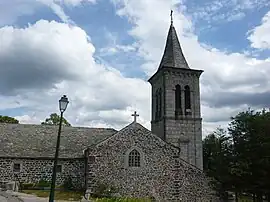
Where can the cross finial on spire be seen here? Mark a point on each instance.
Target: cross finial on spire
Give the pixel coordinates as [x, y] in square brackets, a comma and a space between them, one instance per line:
[135, 116]
[171, 16]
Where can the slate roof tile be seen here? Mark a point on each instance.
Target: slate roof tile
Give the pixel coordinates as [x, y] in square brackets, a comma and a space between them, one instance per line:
[173, 55]
[25, 140]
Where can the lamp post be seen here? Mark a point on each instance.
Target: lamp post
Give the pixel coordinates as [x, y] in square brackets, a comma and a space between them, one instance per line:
[63, 102]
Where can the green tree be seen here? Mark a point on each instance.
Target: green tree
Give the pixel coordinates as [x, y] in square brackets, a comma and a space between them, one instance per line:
[240, 159]
[217, 158]
[7, 119]
[250, 132]
[55, 120]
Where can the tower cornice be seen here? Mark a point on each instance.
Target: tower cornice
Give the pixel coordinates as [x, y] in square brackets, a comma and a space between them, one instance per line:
[167, 69]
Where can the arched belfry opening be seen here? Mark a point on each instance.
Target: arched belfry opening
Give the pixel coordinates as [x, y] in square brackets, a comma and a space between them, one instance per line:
[178, 102]
[158, 101]
[187, 100]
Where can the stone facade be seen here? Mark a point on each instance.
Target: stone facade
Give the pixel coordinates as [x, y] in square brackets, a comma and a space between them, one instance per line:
[33, 170]
[162, 173]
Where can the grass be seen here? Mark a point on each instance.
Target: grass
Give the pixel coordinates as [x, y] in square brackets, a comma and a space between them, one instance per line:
[245, 199]
[121, 200]
[76, 196]
[59, 195]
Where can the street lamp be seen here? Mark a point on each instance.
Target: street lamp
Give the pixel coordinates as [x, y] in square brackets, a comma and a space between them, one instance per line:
[63, 102]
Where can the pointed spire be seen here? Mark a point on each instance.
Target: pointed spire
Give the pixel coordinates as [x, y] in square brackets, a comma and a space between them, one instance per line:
[173, 55]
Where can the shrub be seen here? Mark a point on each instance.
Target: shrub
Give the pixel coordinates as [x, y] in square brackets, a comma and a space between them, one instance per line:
[27, 186]
[68, 185]
[43, 183]
[121, 200]
[103, 190]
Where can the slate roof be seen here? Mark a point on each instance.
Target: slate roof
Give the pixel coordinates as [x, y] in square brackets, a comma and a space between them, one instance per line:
[136, 128]
[25, 140]
[173, 55]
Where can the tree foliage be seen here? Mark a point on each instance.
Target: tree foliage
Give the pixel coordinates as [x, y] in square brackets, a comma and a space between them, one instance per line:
[7, 119]
[240, 159]
[217, 154]
[54, 119]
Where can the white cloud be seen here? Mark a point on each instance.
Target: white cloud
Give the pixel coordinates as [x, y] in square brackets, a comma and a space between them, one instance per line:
[222, 11]
[58, 10]
[226, 74]
[11, 10]
[57, 7]
[74, 2]
[49, 59]
[259, 36]
[114, 45]
[61, 58]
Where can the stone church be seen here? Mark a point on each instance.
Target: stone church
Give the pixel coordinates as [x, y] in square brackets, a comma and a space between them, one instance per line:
[164, 163]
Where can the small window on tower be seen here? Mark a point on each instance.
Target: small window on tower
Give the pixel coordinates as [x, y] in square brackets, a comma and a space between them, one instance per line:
[160, 103]
[157, 104]
[178, 109]
[187, 101]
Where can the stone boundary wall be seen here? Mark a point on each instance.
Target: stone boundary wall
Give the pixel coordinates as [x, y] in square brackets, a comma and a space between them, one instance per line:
[33, 170]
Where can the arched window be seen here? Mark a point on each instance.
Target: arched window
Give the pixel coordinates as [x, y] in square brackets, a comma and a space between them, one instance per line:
[157, 104]
[160, 103]
[187, 100]
[178, 109]
[134, 159]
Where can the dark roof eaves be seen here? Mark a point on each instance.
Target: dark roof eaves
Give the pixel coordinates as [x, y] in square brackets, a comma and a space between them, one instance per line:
[56, 126]
[41, 158]
[181, 69]
[164, 68]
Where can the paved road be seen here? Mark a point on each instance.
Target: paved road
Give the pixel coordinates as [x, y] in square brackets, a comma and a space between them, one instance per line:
[21, 197]
[6, 197]
[3, 199]
[31, 198]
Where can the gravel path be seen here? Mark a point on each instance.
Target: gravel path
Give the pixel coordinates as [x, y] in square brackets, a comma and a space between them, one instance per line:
[30, 198]
[22, 197]
[8, 197]
[3, 199]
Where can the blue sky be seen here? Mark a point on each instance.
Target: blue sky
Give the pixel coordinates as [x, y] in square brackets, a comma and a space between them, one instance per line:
[101, 54]
[105, 27]
[102, 23]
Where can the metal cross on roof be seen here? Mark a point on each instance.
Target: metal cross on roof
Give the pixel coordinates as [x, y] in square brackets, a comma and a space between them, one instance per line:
[135, 116]
[171, 17]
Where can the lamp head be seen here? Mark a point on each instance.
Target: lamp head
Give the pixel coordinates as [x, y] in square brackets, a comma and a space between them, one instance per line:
[63, 102]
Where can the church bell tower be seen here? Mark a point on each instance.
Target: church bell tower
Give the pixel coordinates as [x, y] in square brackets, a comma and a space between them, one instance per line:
[176, 113]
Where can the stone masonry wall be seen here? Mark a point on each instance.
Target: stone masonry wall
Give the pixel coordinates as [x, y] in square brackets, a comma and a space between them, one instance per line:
[33, 170]
[162, 175]
[157, 125]
[186, 129]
